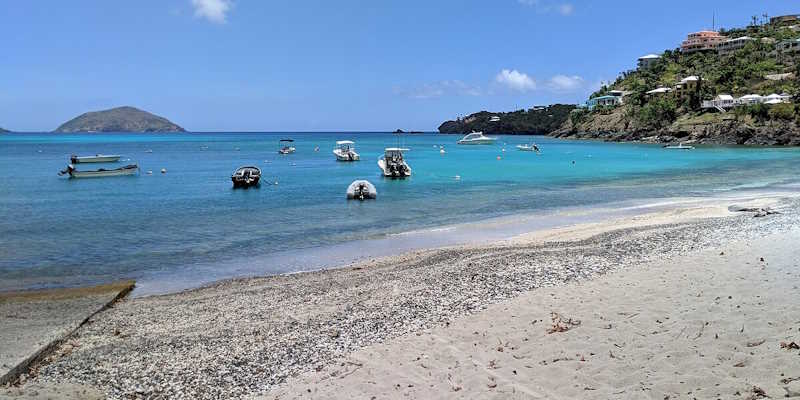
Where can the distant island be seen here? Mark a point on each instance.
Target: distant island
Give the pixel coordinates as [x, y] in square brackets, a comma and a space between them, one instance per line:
[120, 119]
[535, 121]
[4, 130]
[735, 86]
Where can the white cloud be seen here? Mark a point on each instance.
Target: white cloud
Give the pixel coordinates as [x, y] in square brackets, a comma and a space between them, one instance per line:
[439, 89]
[547, 6]
[566, 9]
[515, 80]
[212, 10]
[564, 83]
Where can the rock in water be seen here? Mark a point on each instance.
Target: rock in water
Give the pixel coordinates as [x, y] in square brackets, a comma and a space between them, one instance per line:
[120, 119]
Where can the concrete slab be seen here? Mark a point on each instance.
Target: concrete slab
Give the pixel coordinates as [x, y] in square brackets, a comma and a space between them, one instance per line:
[34, 322]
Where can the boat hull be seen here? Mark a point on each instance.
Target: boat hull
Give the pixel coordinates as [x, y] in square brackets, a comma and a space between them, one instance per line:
[346, 156]
[242, 183]
[94, 159]
[477, 141]
[104, 173]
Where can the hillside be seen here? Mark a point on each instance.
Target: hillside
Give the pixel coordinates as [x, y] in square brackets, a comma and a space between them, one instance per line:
[4, 130]
[679, 116]
[539, 121]
[120, 119]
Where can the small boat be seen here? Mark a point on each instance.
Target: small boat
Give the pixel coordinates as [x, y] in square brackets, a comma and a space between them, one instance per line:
[285, 146]
[346, 151]
[245, 177]
[477, 138]
[680, 146]
[98, 158]
[392, 163]
[361, 190]
[528, 147]
[131, 169]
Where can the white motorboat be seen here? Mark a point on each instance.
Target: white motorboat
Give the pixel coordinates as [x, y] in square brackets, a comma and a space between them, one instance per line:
[98, 158]
[680, 146]
[528, 147]
[346, 151]
[245, 177]
[392, 163]
[131, 169]
[361, 190]
[285, 146]
[477, 138]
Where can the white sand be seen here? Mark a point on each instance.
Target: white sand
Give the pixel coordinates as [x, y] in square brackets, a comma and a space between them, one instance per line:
[706, 325]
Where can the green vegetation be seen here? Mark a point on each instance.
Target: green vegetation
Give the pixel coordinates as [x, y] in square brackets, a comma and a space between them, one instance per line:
[738, 74]
[538, 121]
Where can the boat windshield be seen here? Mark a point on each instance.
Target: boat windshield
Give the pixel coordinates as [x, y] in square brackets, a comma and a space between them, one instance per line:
[474, 135]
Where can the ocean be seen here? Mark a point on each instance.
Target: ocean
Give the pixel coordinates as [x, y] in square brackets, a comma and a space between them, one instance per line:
[188, 227]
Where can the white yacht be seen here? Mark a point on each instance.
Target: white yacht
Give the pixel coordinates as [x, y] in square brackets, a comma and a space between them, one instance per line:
[392, 163]
[346, 151]
[477, 138]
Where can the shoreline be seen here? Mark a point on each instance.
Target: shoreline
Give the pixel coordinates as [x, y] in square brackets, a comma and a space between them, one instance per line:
[493, 230]
[247, 336]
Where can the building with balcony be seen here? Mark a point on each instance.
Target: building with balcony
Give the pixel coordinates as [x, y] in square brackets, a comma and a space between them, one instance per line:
[729, 46]
[785, 20]
[647, 61]
[701, 41]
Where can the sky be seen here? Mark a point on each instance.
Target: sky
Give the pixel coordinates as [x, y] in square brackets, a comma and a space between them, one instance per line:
[328, 65]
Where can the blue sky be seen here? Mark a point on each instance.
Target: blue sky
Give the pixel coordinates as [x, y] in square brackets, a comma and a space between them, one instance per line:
[217, 65]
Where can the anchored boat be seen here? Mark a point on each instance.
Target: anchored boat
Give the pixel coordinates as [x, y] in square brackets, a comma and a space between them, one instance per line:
[361, 190]
[680, 146]
[245, 177]
[393, 164]
[285, 146]
[346, 151]
[528, 147]
[131, 169]
[477, 138]
[98, 158]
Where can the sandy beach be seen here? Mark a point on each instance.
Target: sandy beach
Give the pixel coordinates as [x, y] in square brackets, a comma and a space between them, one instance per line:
[643, 303]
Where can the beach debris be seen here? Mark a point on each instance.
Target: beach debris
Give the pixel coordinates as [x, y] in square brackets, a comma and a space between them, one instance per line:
[740, 364]
[560, 324]
[790, 346]
[758, 393]
[492, 384]
[758, 211]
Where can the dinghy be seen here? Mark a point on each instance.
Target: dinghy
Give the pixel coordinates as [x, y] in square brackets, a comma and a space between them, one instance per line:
[97, 158]
[131, 169]
[245, 177]
[361, 190]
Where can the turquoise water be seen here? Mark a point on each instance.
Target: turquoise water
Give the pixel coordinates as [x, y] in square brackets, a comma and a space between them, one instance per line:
[61, 232]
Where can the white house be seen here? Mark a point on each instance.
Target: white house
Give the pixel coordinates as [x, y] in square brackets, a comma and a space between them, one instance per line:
[729, 46]
[722, 101]
[750, 99]
[648, 60]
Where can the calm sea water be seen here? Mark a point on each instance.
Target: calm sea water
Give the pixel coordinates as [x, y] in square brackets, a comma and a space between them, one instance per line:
[190, 225]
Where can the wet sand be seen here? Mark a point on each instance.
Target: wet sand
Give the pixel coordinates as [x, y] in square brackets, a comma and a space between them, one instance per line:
[246, 337]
